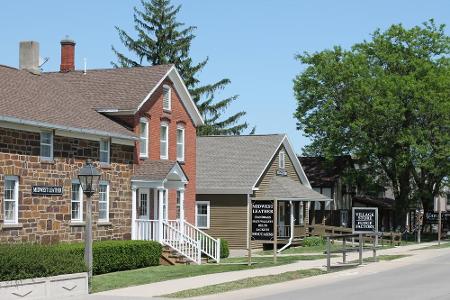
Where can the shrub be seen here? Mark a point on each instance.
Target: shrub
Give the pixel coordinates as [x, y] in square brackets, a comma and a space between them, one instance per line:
[313, 241]
[31, 260]
[112, 256]
[224, 249]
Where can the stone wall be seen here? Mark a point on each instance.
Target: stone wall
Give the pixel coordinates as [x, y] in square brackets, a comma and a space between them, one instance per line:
[47, 219]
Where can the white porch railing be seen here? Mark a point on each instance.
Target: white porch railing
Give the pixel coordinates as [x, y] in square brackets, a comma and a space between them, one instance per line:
[183, 237]
[209, 245]
[181, 243]
[147, 230]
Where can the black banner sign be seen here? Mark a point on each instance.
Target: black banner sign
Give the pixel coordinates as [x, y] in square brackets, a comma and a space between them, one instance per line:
[431, 217]
[262, 220]
[46, 190]
[365, 219]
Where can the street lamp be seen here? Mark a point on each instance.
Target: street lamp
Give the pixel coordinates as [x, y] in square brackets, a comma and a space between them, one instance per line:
[89, 177]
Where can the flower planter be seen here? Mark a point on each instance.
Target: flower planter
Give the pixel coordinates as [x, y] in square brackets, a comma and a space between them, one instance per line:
[45, 288]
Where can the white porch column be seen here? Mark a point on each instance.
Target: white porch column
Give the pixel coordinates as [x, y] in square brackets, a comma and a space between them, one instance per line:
[133, 213]
[182, 218]
[160, 213]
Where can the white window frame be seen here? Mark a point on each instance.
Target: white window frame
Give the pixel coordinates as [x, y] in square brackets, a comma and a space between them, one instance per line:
[46, 144]
[282, 160]
[80, 200]
[166, 156]
[182, 144]
[103, 183]
[15, 200]
[169, 100]
[208, 214]
[108, 151]
[143, 139]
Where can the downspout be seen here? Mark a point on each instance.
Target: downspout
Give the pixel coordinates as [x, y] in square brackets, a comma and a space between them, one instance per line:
[291, 238]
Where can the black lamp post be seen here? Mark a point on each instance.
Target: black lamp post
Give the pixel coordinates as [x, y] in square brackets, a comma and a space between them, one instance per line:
[89, 177]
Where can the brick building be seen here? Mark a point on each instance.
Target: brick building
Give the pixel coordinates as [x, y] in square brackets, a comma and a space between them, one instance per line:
[138, 125]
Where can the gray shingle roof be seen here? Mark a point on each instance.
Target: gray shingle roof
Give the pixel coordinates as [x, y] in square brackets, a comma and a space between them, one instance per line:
[283, 187]
[121, 88]
[233, 164]
[28, 98]
[153, 170]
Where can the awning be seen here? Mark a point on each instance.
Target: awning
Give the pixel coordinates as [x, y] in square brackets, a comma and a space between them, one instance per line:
[285, 188]
[159, 174]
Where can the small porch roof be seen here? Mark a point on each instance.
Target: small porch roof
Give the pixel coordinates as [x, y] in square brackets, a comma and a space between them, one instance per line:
[159, 174]
[285, 188]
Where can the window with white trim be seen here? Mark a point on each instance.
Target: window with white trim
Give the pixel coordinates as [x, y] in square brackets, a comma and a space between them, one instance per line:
[317, 203]
[326, 191]
[103, 202]
[143, 138]
[202, 214]
[180, 143]
[46, 145]
[281, 160]
[104, 151]
[76, 202]
[164, 141]
[167, 97]
[11, 200]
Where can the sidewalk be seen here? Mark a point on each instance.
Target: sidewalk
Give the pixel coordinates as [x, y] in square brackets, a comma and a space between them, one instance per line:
[172, 286]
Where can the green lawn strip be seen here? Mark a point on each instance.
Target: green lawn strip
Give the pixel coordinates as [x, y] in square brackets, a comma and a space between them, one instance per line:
[443, 245]
[382, 258]
[161, 273]
[246, 283]
[320, 249]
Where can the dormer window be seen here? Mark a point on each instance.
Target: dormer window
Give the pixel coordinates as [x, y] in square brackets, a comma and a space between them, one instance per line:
[167, 97]
[143, 138]
[282, 160]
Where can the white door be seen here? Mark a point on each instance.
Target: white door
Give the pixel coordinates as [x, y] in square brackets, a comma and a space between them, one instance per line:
[144, 204]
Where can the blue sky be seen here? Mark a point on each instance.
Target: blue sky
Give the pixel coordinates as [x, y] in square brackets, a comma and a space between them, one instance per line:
[252, 42]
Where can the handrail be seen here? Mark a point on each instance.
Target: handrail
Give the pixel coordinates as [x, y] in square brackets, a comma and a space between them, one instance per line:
[180, 242]
[208, 245]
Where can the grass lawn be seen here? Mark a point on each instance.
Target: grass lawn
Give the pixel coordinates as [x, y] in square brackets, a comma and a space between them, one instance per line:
[318, 249]
[160, 273]
[246, 283]
[386, 257]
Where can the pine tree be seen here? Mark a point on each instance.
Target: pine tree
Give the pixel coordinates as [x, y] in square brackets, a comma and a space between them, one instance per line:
[161, 39]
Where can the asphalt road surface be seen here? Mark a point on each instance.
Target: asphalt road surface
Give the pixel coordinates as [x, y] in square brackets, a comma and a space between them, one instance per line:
[427, 279]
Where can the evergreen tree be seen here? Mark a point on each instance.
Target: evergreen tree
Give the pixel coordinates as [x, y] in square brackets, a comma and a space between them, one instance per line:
[161, 39]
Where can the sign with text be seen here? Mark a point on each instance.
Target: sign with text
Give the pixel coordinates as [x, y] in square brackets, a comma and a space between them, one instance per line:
[432, 217]
[262, 220]
[46, 190]
[365, 219]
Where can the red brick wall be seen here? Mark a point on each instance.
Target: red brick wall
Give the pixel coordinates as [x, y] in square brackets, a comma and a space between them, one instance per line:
[46, 219]
[153, 110]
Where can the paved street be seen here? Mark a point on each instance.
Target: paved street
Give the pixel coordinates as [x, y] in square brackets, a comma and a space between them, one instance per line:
[408, 278]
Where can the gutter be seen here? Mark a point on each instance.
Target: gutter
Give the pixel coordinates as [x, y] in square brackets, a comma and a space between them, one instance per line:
[66, 128]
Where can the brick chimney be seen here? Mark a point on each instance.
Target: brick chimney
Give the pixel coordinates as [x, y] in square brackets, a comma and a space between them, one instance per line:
[67, 55]
[29, 56]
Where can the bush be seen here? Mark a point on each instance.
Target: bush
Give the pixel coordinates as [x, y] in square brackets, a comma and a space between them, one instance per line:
[30, 261]
[313, 241]
[224, 249]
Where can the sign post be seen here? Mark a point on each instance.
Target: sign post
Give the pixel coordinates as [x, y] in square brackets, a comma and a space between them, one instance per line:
[263, 218]
[275, 231]
[365, 221]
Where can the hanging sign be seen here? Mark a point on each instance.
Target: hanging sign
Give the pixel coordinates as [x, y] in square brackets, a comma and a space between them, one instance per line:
[365, 219]
[262, 220]
[46, 190]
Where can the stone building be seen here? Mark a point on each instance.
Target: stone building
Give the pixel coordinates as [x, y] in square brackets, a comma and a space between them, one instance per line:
[138, 125]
